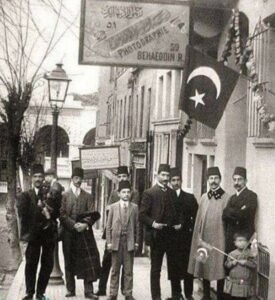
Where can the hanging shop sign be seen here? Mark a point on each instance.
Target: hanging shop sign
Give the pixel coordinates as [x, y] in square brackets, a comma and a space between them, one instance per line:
[98, 158]
[134, 33]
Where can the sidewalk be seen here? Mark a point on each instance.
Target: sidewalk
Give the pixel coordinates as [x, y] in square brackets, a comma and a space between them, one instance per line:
[141, 281]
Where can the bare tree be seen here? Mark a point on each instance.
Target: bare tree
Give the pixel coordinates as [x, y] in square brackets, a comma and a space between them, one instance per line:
[24, 47]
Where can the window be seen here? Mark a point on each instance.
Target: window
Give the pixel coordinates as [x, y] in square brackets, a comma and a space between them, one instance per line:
[160, 97]
[168, 94]
[141, 121]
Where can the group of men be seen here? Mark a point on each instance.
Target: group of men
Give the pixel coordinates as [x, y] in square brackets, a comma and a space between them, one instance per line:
[175, 224]
[75, 210]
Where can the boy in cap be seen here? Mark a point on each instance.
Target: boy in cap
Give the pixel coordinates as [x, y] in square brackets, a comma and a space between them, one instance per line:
[209, 228]
[158, 214]
[79, 246]
[122, 240]
[239, 214]
[30, 219]
[186, 209]
[122, 175]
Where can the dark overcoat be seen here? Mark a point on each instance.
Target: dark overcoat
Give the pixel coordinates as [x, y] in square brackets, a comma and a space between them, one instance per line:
[239, 216]
[186, 210]
[157, 205]
[31, 219]
[79, 245]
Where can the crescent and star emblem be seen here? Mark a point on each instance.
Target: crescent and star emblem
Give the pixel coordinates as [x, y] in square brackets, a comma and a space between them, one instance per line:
[212, 75]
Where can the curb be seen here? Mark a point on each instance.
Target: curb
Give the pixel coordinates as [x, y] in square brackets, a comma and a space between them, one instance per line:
[16, 283]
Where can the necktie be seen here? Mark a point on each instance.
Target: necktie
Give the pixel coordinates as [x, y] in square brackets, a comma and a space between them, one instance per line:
[124, 213]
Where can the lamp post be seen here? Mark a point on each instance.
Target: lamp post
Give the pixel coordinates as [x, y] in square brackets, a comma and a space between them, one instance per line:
[58, 83]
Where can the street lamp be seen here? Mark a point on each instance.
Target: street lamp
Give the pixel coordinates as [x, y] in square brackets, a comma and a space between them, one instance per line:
[58, 83]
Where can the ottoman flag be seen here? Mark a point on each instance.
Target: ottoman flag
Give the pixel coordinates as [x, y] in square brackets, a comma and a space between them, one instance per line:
[206, 87]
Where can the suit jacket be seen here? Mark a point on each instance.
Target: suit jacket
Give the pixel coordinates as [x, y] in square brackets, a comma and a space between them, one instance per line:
[186, 210]
[239, 215]
[157, 205]
[31, 219]
[72, 206]
[114, 226]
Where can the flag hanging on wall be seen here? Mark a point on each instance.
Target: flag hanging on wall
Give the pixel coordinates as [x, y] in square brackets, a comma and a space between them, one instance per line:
[206, 87]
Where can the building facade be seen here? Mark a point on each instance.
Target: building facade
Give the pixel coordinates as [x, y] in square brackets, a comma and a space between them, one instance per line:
[141, 116]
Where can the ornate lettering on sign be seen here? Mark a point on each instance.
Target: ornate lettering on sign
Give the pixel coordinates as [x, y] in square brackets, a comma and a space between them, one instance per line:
[122, 12]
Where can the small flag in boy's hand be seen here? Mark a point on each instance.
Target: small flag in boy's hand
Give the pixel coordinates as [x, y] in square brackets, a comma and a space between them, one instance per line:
[202, 255]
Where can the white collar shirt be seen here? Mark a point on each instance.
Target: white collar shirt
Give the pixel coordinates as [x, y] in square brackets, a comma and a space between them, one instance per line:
[76, 190]
[123, 204]
[239, 192]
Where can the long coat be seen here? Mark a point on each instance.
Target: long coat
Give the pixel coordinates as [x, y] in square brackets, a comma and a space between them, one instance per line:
[239, 215]
[114, 226]
[186, 210]
[157, 205]
[87, 263]
[209, 227]
[31, 219]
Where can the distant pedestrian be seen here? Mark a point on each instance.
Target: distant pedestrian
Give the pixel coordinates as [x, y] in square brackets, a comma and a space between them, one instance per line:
[239, 214]
[40, 239]
[122, 240]
[122, 175]
[157, 212]
[186, 209]
[81, 255]
[241, 265]
[209, 228]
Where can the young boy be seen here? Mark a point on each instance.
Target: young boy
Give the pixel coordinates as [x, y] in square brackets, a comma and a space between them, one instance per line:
[239, 284]
[122, 240]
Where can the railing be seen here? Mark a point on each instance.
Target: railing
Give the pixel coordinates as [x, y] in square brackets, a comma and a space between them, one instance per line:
[263, 273]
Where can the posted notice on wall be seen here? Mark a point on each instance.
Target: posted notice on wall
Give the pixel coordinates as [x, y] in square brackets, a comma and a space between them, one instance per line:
[98, 158]
[3, 187]
[134, 33]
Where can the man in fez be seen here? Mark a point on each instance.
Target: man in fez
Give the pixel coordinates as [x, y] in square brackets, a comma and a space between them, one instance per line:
[81, 255]
[209, 228]
[186, 209]
[158, 214]
[122, 175]
[239, 214]
[40, 239]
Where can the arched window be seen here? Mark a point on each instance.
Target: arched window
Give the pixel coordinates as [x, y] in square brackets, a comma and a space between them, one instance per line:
[89, 138]
[43, 142]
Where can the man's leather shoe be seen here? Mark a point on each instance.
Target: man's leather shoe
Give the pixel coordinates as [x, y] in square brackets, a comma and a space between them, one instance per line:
[100, 293]
[28, 297]
[40, 297]
[70, 294]
[91, 296]
[129, 298]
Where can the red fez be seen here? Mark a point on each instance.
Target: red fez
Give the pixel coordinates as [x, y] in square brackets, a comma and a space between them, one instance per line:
[175, 172]
[78, 172]
[122, 170]
[124, 185]
[164, 168]
[213, 171]
[37, 169]
[240, 171]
